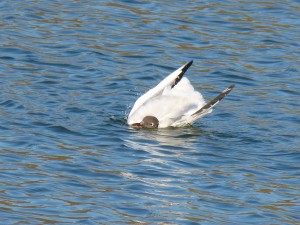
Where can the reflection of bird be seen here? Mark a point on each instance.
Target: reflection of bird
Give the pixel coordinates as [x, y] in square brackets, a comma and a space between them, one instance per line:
[173, 102]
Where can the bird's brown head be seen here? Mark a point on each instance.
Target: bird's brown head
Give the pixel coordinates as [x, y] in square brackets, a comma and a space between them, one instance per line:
[150, 122]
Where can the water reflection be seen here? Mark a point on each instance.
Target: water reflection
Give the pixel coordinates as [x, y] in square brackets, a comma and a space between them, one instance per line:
[164, 139]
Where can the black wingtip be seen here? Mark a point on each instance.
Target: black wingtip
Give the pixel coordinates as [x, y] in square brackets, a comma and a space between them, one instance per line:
[187, 66]
[184, 69]
[215, 101]
[231, 86]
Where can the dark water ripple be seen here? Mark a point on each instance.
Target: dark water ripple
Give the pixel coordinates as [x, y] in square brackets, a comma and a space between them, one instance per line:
[69, 74]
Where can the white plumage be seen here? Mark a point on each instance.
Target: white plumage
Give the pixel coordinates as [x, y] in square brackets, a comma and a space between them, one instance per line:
[174, 102]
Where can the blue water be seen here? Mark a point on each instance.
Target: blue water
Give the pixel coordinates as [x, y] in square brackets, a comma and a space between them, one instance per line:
[71, 70]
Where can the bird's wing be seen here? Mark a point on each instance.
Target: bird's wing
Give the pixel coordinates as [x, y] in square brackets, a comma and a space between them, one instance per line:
[206, 109]
[169, 81]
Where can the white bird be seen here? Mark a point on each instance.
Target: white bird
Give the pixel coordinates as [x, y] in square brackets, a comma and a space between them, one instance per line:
[173, 102]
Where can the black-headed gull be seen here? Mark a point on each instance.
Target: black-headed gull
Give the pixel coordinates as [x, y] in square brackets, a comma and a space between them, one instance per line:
[173, 102]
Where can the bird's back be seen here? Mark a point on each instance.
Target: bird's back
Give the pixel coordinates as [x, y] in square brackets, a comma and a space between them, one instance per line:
[171, 106]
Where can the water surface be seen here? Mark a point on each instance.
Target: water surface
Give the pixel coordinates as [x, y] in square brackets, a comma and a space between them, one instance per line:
[70, 72]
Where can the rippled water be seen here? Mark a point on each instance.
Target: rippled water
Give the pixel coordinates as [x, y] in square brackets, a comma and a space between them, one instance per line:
[71, 70]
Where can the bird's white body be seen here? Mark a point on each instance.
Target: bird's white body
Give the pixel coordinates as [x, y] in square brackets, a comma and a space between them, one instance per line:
[172, 104]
